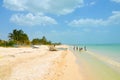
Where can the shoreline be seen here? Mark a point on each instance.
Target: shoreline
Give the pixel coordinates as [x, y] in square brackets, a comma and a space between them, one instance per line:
[38, 64]
[42, 64]
[93, 68]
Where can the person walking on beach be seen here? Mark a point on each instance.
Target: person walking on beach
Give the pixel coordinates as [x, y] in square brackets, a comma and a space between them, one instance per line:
[80, 49]
[74, 48]
[77, 48]
[85, 48]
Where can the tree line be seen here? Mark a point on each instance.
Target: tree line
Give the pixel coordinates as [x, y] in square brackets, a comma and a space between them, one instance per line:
[19, 37]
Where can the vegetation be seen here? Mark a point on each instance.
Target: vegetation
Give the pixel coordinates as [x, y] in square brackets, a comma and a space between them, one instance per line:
[57, 43]
[6, 43]
[41, 41]
[19, 37]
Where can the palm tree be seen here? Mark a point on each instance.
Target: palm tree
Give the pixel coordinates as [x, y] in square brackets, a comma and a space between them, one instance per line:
[18, 36]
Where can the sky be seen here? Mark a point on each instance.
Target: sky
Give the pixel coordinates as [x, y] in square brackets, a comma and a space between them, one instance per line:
[65, 21]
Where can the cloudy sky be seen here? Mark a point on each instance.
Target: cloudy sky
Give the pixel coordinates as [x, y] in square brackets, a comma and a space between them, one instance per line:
[66, 21]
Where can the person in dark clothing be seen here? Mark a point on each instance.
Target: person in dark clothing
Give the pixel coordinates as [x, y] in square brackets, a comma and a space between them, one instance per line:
[85, 48]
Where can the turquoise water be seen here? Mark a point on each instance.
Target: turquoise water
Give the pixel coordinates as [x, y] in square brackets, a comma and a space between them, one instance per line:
[99, 62]
[109, 53]
[109, 50]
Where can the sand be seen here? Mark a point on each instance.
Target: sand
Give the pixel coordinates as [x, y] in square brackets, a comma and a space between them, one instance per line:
[38, 64]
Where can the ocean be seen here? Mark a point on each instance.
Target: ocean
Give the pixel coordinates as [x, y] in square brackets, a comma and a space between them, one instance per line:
[111, 51]
[100, 61]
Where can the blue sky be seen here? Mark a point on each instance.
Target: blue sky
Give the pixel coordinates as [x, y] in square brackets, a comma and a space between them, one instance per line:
[66, 21]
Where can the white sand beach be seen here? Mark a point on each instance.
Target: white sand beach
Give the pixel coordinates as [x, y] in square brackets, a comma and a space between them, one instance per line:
[38, 64]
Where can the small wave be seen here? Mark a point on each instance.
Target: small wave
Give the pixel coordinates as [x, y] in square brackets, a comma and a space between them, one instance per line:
[104, 58]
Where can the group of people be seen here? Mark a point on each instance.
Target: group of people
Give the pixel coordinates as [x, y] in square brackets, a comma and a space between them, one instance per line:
[80, 48]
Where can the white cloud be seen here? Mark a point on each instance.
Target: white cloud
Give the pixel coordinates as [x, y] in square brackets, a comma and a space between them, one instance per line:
[91, 3]
[115, 18]
[112, 20]
[117, 1]
[86, 22]
[59, 7]
[32, 20]
[16, 5]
